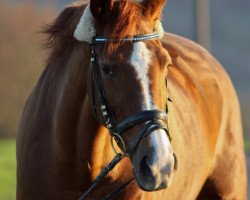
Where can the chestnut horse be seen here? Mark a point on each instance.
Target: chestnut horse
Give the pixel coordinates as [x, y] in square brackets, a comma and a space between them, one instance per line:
[63, 141]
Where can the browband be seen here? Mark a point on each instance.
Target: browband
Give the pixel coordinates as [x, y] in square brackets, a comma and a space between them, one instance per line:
[136, 38]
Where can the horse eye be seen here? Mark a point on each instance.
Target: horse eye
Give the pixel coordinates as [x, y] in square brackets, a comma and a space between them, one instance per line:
[108, 71]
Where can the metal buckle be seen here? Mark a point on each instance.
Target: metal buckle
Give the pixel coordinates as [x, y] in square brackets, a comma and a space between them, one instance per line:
[121, 142]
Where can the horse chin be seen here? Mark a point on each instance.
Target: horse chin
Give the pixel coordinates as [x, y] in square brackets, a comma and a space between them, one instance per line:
[150, 186]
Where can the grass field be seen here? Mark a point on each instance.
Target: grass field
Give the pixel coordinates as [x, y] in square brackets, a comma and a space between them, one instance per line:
[7, 169]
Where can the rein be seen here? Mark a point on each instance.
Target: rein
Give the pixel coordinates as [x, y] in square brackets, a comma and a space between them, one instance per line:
[155, 119]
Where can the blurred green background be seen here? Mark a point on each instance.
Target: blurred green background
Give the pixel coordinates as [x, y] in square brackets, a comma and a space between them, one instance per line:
[22, 58]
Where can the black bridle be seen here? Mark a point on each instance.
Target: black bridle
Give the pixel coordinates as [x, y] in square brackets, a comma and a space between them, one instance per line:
[154, 119]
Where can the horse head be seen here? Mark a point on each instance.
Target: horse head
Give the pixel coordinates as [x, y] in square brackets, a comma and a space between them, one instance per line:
[132, 78]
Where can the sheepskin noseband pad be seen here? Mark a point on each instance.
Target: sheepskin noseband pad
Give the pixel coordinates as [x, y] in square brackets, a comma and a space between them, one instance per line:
[85, 29]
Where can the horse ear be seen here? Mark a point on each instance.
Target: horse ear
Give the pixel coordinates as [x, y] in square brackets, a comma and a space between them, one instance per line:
[152, 8]
[101, 8]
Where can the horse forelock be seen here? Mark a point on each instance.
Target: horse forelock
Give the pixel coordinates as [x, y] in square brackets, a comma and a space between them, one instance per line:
[126, 20]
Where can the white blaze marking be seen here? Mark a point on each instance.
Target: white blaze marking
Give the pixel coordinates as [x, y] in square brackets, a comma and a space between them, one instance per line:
[140, 60]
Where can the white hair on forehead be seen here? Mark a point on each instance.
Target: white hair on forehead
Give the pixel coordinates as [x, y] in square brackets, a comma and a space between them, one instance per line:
[140, 60]
[85, 29]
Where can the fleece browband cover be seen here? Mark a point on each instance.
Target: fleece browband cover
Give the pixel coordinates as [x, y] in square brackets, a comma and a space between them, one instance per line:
[85, 29]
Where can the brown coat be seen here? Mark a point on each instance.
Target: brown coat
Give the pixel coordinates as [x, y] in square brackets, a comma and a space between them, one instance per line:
[61, 147]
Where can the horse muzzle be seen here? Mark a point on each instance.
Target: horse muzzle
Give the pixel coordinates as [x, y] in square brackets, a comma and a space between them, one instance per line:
[154, 162]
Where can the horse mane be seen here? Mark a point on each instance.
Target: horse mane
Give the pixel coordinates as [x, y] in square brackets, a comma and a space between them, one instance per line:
[60, 32]
[122, 22]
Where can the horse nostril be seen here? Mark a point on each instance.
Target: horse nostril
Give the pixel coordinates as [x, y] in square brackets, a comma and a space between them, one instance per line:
[145, 168]
[175, 162]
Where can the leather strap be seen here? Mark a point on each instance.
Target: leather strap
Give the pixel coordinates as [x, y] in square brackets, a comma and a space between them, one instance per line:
[144, 116]
[136, 38]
